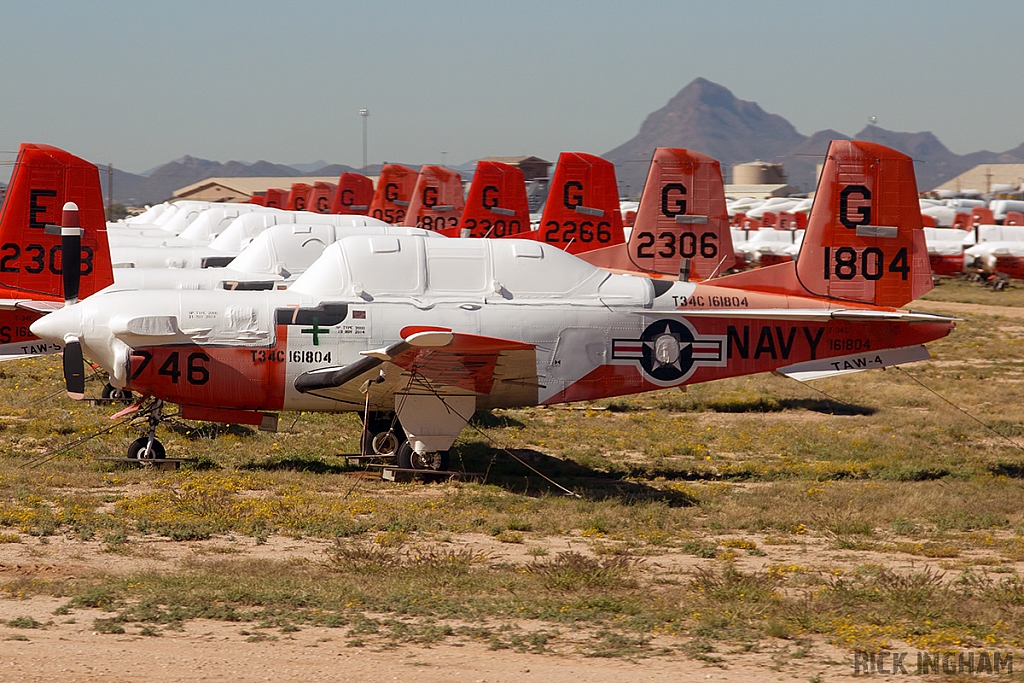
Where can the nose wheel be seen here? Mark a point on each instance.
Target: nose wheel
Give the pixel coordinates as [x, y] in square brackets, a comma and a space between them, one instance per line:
[145, 449]
[149, 447]
[114, 394]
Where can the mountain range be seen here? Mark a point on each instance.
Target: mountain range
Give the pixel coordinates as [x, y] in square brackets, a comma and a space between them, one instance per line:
[704, 116]
[708, 118]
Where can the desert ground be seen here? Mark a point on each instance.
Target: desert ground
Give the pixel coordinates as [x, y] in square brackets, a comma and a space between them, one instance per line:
[748, 529]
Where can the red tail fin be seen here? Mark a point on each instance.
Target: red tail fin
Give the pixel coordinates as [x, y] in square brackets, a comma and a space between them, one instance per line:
[320, 197]
[792, 221]
[582, 211]
[864, 239]
[30, 257]
[277, 198]
[682, 215]
[353, 196]
[437, 199]
[982, 215]
[394, 191]
[497, 205]
[298, 198]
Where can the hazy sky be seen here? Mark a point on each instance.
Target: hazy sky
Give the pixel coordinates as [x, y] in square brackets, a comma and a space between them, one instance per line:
[141, 83]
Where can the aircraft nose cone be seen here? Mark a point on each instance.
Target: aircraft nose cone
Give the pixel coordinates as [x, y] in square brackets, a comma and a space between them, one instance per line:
[55, 327]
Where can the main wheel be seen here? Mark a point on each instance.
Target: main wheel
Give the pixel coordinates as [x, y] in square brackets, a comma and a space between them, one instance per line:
[385, 444]
[115, 394]
[431, 460]
[382, 437]
[137, 449]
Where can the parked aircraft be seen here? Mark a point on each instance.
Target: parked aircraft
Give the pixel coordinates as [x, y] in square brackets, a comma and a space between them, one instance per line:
[681, 226]
[229, 242]
[353, 195]
[421, 333]
[273, 198]
[320, 197]
[393, 195]
[496, 206]
[31, 251]
[437, 200]
[298, 196]
[582, 212]
[202, 228]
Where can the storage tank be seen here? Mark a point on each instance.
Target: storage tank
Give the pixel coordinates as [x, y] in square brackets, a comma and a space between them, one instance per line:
[758, 173]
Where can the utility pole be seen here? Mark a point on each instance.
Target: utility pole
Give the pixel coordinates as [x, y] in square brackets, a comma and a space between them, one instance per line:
[365, 113]
[444, 159]
[110, 189]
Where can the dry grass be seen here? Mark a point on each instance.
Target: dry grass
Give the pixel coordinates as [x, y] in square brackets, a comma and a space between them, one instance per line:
[715, 489]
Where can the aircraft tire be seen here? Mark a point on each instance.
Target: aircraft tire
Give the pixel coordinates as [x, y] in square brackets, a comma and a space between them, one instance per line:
[385, 443]
[137, 449]
[433, 460]
[115, 394]
[383, 437]
[405, 456]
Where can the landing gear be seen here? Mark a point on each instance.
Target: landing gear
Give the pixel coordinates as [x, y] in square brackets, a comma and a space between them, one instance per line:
[138, 449]
[382, 435]
[430, 460]
[114, 394]
[148, 447]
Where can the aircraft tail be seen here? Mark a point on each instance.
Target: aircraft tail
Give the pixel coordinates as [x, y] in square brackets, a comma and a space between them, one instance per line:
[44, 179]
[393, 194]
[582, 211]
[276, 198]
[496, 206]
[437, 200]
[353, 196]
[320, 197]
[298, 197]
[864, 241]
[682, 224]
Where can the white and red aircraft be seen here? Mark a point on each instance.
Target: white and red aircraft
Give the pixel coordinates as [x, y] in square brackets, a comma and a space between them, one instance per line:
[433, 330]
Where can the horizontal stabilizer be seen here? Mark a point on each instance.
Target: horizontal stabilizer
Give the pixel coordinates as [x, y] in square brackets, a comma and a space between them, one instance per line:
[38, 306]
[858, 362]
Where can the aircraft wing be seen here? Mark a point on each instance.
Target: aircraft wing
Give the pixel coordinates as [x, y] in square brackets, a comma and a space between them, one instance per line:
[433, 359]
[30, 305]
[814, 314]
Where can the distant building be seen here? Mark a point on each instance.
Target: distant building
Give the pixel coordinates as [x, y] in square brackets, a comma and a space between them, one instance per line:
[532, 167]
[986, 178]
[241, 189]
[758, 173]
[761, 191]
[759, 179]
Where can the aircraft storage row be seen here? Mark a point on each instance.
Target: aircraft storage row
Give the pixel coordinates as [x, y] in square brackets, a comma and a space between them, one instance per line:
[420, 326]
